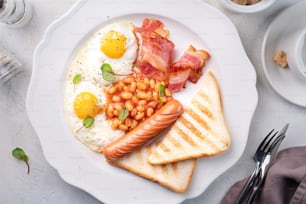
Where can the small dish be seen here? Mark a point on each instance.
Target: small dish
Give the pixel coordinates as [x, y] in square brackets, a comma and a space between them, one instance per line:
[294, 47]
[257, 7]
[284, 80]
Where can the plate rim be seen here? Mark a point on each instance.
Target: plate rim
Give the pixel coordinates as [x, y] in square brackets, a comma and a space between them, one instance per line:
[52, 27]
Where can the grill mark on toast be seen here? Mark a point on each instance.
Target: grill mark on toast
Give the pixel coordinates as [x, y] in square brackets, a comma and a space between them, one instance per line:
[196, 132]
[164, 169]
[173, 141]
[197, 118]
[204, 124]
[174, 167]
[164, 147]
[184, 136]
[202, 108]
[203, 95]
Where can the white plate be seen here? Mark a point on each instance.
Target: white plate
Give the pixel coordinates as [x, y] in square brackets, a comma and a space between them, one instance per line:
[284, 81]
[79, 166]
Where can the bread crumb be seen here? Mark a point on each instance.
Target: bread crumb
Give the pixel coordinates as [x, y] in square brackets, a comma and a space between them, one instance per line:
[281, 59]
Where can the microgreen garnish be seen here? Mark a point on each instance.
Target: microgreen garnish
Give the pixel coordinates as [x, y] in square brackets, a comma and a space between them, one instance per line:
[123, 114]
[161, 90]
[107, 72]
[88, 122]
[77, 79]
[20, 154]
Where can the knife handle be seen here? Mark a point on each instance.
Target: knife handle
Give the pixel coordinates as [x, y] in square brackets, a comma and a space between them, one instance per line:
[248, 185]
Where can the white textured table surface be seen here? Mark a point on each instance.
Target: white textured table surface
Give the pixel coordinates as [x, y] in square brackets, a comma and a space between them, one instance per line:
[44, 185]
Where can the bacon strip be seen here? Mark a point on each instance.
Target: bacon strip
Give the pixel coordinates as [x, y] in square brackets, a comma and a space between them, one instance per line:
[192, 62]
[156, 50]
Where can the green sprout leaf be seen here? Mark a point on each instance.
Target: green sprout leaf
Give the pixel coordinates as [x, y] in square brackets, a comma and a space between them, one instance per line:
[77, 79]
[88, 122]
[161, 90]
[123, 114]
[20, 154]
[107, 72]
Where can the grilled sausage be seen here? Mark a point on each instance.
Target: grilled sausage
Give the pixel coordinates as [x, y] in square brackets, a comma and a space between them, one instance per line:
[144, 132]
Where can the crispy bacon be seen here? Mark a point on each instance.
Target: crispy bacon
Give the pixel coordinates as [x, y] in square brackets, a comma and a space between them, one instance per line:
[155, 57]
[155, 50]
[150, 25]
[192, 62]
[178, 79]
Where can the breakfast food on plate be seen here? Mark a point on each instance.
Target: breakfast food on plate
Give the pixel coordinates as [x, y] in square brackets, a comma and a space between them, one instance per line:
[280, 58]
[131, 101]
[119, 98]
[155, 59]
[187, 67]
[200, 131]
[144, 132]
[175, 176]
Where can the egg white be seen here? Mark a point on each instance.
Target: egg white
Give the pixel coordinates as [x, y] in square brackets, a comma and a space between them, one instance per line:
[87, 63]
[122, 65]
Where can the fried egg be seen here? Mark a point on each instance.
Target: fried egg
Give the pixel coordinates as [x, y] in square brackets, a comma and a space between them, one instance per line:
[116, 45]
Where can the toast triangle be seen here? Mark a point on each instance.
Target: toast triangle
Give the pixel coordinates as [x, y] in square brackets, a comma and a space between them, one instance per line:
[199, 132]
[175, 176]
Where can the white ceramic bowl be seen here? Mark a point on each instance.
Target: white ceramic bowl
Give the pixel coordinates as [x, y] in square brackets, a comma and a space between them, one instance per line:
[262, 5]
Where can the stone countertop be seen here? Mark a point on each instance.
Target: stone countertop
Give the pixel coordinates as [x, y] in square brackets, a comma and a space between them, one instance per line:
[44, 184]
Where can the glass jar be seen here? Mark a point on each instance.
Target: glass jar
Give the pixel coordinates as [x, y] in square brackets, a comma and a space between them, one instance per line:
[15, 13]
[9, 66]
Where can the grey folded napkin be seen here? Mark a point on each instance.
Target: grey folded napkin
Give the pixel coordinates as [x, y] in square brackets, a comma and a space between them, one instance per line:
[285, 182]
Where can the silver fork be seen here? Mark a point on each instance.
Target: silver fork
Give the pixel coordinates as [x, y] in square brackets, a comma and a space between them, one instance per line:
[258, 157]
[267, 163]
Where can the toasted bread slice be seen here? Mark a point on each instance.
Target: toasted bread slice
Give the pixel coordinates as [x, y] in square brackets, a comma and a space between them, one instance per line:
[175, 176]
[200, 131]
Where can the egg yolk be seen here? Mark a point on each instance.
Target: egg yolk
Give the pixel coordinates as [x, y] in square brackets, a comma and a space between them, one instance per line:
[85, 104]
[113, 44]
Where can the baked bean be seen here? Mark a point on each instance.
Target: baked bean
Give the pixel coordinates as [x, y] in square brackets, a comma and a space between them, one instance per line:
[149, 96]
[135, 99]
[146, 81]
[133, 113]
[152, 83]
[142, 102]
[129, 105]
[167, 92]
[142, 95]
[116, 112]
[116, 98]
[115, 123]
[118, 106]
[140, 108]
[150, 112]
[123, 127]
[121, 85]
[163, 99]
[128, 80]
[109, 111]
[126, 95]
[157, 85]
[152, 104]
[128, 122]
[139, 116]
[133, 87]
[112, 90]
[134, 124]
[141, 86]
[155, 96]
